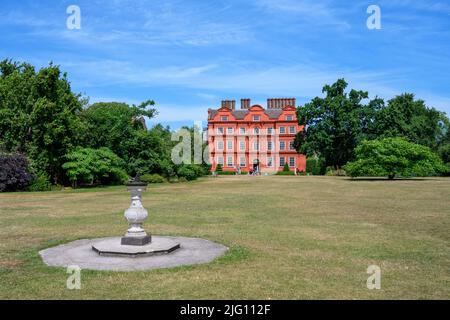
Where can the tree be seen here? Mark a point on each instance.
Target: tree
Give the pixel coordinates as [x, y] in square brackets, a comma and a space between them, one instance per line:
[121, 128]
[89, 166]
[393, 157]
[411, 119]
[334, 125]
[38, 115]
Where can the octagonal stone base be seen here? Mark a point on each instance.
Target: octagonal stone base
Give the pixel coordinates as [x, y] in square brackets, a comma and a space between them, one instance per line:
[113, 247]
[79, 253]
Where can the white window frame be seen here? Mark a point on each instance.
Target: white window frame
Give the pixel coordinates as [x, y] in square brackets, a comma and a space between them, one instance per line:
[255, 145]
[282, 161]
[242, 130]
[256, 131]
[292, 165]
[230, 163]
[256, 118]
[220, 160]
[230, 144]
[230, 130]
[289, 117]
[269, 145]
[220, 130]
[282, 130]
[242, 163]
[293, 130]
[269, 162]
[283, 143]
[224, 118]
[219, 143]
[270, 130]
[242, 145]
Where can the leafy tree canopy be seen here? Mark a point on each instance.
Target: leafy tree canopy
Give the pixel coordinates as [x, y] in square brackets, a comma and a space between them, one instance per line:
[38, 115]
[334, 125]
[404, 116]
[392, 157]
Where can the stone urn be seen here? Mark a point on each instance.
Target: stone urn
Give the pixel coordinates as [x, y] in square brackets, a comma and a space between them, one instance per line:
[136, 214]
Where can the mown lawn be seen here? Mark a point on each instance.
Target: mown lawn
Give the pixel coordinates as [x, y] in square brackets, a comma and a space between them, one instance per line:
[289, 238]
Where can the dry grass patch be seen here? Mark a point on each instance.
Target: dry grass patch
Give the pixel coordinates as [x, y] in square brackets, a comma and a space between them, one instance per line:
[290, 238]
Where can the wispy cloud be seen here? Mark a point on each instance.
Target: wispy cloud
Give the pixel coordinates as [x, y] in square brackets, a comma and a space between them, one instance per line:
[310, 11]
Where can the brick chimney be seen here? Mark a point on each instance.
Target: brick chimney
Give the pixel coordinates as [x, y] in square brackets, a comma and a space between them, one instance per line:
[245, 103]
[280, 103]
[230, 104]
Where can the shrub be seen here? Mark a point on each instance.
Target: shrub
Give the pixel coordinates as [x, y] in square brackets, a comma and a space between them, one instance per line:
[188, 172]
[330, 171]
[94, 166]
[286, 168]
[392, 157]
[14, 172]
[285, 173]
[315, 166]
[219, 168]
[152, 178]
[226, 173]
[40, 182]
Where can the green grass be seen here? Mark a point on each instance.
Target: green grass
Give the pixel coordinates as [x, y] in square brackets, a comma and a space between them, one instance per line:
[289, 238]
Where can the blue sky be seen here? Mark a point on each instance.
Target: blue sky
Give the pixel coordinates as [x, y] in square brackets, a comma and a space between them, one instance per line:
[187, 55]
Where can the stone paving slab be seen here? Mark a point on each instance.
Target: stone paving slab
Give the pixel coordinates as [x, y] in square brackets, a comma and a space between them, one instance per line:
[80, 253]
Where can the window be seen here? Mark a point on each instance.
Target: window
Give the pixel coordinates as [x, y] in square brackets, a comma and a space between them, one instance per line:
[230, 145]
[230, 161]
[269, 130]
[269, 145]
[220, 160]
[289, 118]
[220, 130]
[242, 162]
[291, 161]
[242, 145]
[282, 130]
[224, 118]
[219, 145]
[282, 161]
[242, 130]
[269, 162]
[256, 130]
[291, 145]
[292, 130]
[230, 130]
[282, 145]
[256, 145]
[256, 118]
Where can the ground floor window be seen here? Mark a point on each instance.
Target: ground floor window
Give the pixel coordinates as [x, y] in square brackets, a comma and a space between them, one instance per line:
[230, 161]
[242, 162]
[282, 161]
[291, 161]
[269, 162]
[220, 160]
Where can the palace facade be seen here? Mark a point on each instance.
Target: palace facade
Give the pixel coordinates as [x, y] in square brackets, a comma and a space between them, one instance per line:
[254, 138]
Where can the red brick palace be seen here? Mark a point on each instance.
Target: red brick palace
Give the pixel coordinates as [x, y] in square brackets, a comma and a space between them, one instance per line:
[253, 137]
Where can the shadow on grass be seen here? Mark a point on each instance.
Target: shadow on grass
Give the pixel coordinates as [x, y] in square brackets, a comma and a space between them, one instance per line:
[387, 179]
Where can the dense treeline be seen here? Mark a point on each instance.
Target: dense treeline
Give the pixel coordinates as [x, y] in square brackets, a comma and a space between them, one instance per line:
[338, 126]
[53, 136]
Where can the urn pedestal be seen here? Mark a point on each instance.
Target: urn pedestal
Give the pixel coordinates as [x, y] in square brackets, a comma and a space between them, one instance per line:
[136, 214]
